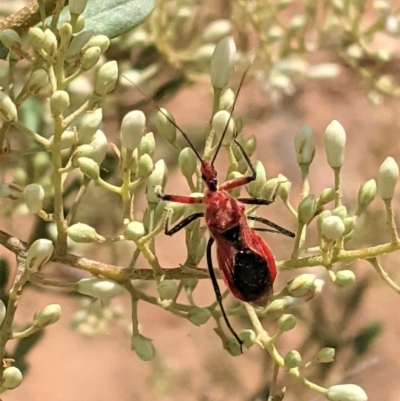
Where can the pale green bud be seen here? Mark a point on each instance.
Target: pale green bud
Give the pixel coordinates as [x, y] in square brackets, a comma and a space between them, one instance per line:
[90, 58]
[156, 179]
[98, 288]
[89, 125]
[304, 145]
[78, 42]
[3, 311]
[80, 232]
[10, 190]
[307, 209]
[132, 129]
[65, 31]
[59, 102]
[39, 253]
[106, 78]
[49, 43]
[165, 127]
[327, 195]
[8, 110]
[232, 346]
[204, 53]
[301, 285]
[248, 337]
[36, 35]
[199, 316]
[89, 167]
[345, 278]
[332, 227]
[37, 80]
[254, 188]
[349, 223]
[77, 6]
[346, 392]
[335, 141]
[12, 378]
[101, 41]
[222, 122]
[227, 99]
[292, 359]
[50, 314]
[33, 197]
[216, 30]
[145, 166]
[147, 144]
[284, 187]
[167, 289]
[366, 194]
[79, 24]
[276, 307]
[325, 355]
[134, 231]
[143, 347]
[388, 175]
[222, 62]
[340, 211]
[324, 71]
[9, 38]
[269, 188]
[250, 145]
[99, 144]
[188, 162]
[286, 322]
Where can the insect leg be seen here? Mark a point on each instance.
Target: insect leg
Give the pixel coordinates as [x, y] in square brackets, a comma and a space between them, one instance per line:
[277, 229]
[218, 293]
[183, 223]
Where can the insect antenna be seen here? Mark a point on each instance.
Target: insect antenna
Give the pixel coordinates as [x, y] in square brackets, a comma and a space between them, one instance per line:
[171, 121]
[230, 117]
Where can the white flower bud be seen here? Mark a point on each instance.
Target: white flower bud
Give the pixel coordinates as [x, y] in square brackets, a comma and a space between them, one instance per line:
[89, 167]
[165, 127]
[325, 355]
[156, 179]
[286, 322]
[304, 144]
[203, 54]
[49, 43]
[80, 232]
[216, 30]
[346, 392]
[167, 289]
[36, 35]
[106, 78]
[77, 6]
[332, 227]
[227, 99]
[37, 80]
[199, 316]
[143, 347]
[12, 378]
[187, 162]
[301, 285]
[39, 253]
[284, 187]
[49, 315]
[9, 38]
[388, 175]
[99, 144]
[59, 102]
[134, 231]
[3, 311]
[101, 41]
[248, 337]
[98, 288]
[10, 190]
[145, 166]
[276, 307]
[345, 278]
[89, 125]
[324, 71]
[90, 58]
[220, 125]
[8, 110]
[335, 141]
[222, 62]
[132, 129]
[33, 197]
[292, 359]
[78, 42]
[147, 144]
[65, 31]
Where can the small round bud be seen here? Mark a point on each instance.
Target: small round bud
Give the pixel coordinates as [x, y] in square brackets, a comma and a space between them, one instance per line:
[366, 194]
[232, 346]
[79, 24]
[388, 175]
[59, 102]
[90, 58]
[223, 124]
[345, 278]
[301, 285]
[307, 209]
[340, 211]
[254, 188]
[203, 54]
[3, 311]
[9, 38]
[216, 30]
[145, 166]
[287, 322]
[292, 359]
[165, 125]
[8, 110]
[284, 187]
[36, 35]
[37, 80]
[222, 62]
[134, 231]
[199, 316]
[77, 6]
[98, 288]
[335, 141]
[248, 337]
[12, 378]
[187, 162]
[49, 315]
[327, 195]
[10, 190]
[99, 144]
[346, 392]
[89, 125]
[89, 167]
[156, 179]
[304, 145]
[276, 307]
[323, 71]
[78, 42]
[33, 197]
[325, 355]
[227, 99]
[39, 253]
[250, 145]
[106, 78]
[332, 227]
[323, 215]
[49, 43]
[147, 144]
[65, 31]
[132, 129]
[80, 232]
[143, 347]
[167, 289]
[101, 41]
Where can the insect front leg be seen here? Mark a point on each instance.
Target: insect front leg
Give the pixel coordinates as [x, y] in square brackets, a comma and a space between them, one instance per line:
[218, 292]
[183, 223]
